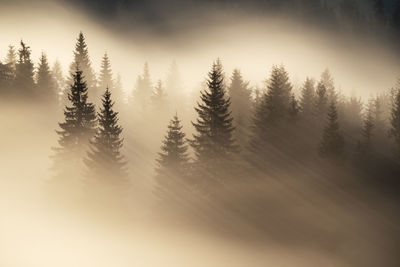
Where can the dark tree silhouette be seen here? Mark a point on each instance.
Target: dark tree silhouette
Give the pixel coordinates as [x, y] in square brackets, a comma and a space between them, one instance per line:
[173, 161]
[24, 82]
[76, 131]
[104, 160]
[272, 114]
[241, 105]
[83, 63]
[46, 84]
[332, 144]
[213, 142]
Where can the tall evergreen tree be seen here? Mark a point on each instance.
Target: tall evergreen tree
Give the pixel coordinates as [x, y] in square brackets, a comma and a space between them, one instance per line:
[307, 99]
[83, 63]
[144, 89]
[321, 102]
[272, 114]
[104, 161]
[46, 85]
[241, 105]
[158, 99]
[367, 128]
[24, 82]
[327, 81]
[213, 141]
[75, 133]
[11, 57]
[173, 158]
[332, 144]
[105, 77]
[395, 122]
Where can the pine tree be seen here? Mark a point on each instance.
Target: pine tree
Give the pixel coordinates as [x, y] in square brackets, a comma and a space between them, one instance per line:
[24, 83]
[75, 133]
[105, 78]
[173, 158]
[327, 81]
[321, 102]
[6, 79]
[307, 99]
[272, 114]
[173, 166]
[158, 99]
[104, 160]
[45, 82]
[83, 63]
[395, 122]
[332, 144]
[11, 58]
[143, 90]
[241, 105]
[367, 128]
[213, 141]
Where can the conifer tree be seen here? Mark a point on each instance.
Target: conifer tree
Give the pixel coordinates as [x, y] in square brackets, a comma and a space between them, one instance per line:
[173, 158]
[6, 78]
[104, 160]
[76, 131]
[332, 144]
[307, 99]
[321, 102]
[173, 164]
[273, 113]
[213, 141]
[105, 77]
[45, 82]
[83, 63]
[327, 81]
[11, 58]
[395, 122]
[241, 105]
[144, 89]
[24, 83]
[158, 99]
[367, 128]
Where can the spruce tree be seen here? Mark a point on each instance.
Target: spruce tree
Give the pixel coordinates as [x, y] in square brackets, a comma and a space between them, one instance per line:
[332, 144]
[105, 77]
[83, 63]
[11, 57]
[24, 82]
[143, 90]
[272, 114]
[173, 158]
[327, 81]
[321, 101]
[158, 99]
[367, 128]
[104, 160]
[213, 142]
[6, 79]
[241, 105]
[307, 99]
[75, 133]
[395, 122]
[46, 85]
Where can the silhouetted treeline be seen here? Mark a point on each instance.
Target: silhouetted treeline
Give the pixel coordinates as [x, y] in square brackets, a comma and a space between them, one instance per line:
[240, 136]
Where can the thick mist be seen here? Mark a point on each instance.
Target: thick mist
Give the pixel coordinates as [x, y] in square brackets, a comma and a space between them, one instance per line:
[286, 206]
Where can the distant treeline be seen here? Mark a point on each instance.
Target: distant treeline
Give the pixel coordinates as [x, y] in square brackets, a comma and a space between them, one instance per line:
[238, 133]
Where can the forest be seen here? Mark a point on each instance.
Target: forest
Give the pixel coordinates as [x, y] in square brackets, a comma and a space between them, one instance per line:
[295, 165]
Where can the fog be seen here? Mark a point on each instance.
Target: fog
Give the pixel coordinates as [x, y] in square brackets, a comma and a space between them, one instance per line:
[289, 210]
